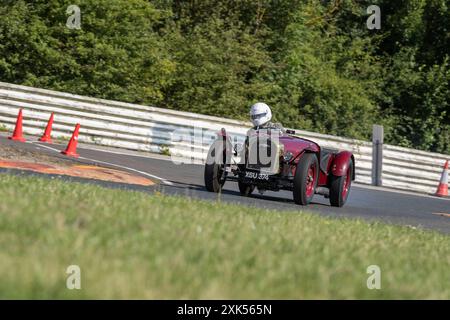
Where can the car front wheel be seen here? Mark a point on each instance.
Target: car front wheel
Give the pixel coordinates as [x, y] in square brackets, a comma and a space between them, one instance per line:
[305, 179]
[214, 175]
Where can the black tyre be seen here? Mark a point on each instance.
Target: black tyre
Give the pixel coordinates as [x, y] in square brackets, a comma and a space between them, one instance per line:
[214, 175]
[305, 179]
[340, 187]
[245, 189]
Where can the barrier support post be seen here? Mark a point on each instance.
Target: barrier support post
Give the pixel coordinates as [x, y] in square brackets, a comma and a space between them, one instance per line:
[377, 154]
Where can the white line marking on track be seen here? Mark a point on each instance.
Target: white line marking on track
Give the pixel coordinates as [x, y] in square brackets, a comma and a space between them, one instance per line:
[398, 191]
[131, 153]
[111, 164]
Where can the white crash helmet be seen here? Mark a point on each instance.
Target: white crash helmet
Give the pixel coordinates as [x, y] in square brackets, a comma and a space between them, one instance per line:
[260, 114]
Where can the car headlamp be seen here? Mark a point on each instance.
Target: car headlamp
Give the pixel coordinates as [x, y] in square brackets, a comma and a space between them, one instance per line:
[288, 156]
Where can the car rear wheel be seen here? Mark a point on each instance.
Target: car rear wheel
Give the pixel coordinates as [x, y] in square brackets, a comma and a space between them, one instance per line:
[340, 187]
[305, 179]
[214, 175]
[245, 189]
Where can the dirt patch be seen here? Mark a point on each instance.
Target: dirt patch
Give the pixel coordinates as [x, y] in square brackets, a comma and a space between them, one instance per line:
[14, 153]
[14, 157]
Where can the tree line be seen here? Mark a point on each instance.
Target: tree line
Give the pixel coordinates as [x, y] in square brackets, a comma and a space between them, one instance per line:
[314, 61]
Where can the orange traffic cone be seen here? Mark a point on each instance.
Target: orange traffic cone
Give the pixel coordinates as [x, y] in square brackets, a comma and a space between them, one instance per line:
[442, 190]
[18, 135]
[48, 131]
[71, 150]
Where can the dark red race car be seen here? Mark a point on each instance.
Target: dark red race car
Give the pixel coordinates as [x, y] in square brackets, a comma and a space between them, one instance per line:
[280, 162]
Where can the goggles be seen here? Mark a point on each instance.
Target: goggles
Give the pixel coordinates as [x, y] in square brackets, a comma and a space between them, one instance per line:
[258, 116]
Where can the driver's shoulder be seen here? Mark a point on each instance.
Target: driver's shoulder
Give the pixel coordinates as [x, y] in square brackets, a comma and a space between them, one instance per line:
[277, 125]
[268, 126]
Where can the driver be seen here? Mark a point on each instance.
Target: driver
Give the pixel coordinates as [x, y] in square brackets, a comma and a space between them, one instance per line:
[261, 115]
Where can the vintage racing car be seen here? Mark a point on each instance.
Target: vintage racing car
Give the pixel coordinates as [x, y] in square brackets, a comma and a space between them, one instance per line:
[283, 161]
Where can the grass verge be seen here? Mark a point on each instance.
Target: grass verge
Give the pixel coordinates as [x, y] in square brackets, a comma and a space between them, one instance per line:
[135, 245]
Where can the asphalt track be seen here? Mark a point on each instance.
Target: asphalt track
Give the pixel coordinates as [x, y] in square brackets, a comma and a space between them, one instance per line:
[395, 207]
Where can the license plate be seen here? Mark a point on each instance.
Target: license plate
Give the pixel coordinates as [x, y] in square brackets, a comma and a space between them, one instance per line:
[256, 175]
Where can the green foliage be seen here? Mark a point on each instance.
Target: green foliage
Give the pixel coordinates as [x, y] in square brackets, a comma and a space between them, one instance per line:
[417, 87]
[420, 104]
[328, 77]
[117, 54]
[314, 61]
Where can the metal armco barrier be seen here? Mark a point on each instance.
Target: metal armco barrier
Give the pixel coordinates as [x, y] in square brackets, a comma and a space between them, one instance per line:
[144, 128]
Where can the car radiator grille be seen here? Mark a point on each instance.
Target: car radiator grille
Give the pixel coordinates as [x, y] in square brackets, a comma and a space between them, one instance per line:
[263, 155]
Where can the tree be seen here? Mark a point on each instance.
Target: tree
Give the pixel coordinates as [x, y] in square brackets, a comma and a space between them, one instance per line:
[117, 54]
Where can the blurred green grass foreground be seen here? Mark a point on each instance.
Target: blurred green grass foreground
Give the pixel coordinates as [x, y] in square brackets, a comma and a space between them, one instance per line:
[132, 245]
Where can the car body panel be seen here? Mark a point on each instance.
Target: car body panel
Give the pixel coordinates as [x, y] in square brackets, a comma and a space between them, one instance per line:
[341, 163]
[297, 145]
